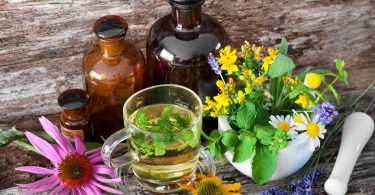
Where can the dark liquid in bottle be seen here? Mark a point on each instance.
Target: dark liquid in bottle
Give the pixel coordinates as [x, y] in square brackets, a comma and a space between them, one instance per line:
[177, 49]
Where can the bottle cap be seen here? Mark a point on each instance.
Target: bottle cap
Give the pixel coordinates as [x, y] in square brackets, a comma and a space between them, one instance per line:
[110, 26]
[73, 99]
[186, 3]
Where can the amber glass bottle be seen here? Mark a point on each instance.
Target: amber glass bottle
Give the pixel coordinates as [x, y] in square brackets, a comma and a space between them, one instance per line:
[75, 119]
[178, 45]
[113, 69]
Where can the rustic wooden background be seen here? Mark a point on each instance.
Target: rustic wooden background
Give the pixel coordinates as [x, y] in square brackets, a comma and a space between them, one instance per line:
[42, 43]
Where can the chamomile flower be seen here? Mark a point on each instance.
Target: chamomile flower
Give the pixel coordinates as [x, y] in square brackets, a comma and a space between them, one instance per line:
[284, 123]
[313, 130]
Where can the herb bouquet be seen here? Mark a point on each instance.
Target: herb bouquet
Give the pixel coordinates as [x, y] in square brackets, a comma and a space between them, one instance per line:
[270, 122]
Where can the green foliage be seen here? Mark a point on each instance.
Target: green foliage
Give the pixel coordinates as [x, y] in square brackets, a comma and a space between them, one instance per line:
[279, 141]
[263, 164]
[281, 65]
[283, 46]
[244, 147]
[141, 119]
[265, 133]
[246, 115]
[7, 135]
[229, 138]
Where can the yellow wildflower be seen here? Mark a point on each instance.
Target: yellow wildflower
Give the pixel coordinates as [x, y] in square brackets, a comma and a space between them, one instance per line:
[240, 97]
[260, 80]
[313, 80]
[231, 83]
[303, 100]
[216, 112]
[209, 104]
[220, 84]
[287, 79]
[248, 90]
[228, 59]
[267, 61]
[210, 184]
[222, 100]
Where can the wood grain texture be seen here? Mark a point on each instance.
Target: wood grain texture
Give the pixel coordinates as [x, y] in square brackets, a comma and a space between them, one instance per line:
[42, 42]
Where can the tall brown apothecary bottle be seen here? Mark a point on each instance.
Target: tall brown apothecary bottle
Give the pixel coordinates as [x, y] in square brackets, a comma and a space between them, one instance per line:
[113, 69]
[178, 45]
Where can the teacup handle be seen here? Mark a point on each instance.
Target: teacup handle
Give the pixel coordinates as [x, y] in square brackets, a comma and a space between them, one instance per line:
[110, 146]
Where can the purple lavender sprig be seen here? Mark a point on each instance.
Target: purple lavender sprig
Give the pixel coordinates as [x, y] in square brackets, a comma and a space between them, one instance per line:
[215, 66]
[302, 186]
[326, 112]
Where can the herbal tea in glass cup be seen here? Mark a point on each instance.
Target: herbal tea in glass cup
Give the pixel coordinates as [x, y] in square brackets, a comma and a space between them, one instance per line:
[162, 129]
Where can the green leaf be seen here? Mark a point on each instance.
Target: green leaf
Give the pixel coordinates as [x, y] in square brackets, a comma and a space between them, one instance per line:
[229, 138]
[215, 150]
[324, 72]
[265, 133]
[92, 145]
[280, 141]
[7, 135]
[321, 95]
[303, 74]
[244, 147]
[263, 164]
[163, 121]
[141, 119]
[283, 46]
[281, 65]
[299, 90]
[262, 116]
[334, 92]
[26, 146]
[340, 64]
[246, 115]
[45, 136]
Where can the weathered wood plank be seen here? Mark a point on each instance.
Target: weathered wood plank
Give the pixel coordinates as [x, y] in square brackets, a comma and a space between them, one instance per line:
[42, 42]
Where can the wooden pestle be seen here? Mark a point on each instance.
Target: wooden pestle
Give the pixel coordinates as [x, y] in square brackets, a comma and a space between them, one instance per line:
[357, 130]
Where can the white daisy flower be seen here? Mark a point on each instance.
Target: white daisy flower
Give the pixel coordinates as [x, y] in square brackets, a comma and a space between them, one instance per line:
[313, 130]
[284, 123]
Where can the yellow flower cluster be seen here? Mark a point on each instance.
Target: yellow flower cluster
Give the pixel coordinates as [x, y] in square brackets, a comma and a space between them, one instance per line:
[267, 61]
[228, 59]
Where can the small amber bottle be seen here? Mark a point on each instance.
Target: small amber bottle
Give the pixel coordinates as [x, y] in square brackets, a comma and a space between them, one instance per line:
[113, 69]
[75, 120]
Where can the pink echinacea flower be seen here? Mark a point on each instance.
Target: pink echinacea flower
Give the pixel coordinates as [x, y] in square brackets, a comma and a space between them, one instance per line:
[75, 170]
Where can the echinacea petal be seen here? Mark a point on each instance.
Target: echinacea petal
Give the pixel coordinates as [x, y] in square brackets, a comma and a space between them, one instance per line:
[104, 169]
[59, 151]
[54, 132]
[96, 159]
[41, 188]
[94, 151]
[39, 182]
[88, 190]
[59, 189]
[80, 147]
[106, 180]
[94, 188]
[36, 170]
[107, 189]
[231, 187]
[65, 191]
[43, 147]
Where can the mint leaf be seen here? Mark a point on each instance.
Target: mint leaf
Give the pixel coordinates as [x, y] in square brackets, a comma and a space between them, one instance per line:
[7, 135]
[265, 133]
[181, 122]
[262, 116]
[283, 46]
[280, 141]
[163, 121]
[281, 65]
[263, 164]
[244, 147]
[246, 115]
[141, 119]
[229, 138]
[334, 92]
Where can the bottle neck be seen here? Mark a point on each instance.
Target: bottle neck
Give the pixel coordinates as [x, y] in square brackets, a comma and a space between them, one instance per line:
[74, 115]
[111, 47]
[186, 19]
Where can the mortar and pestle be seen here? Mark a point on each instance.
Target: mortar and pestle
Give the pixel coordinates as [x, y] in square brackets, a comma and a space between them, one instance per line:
[357, 131]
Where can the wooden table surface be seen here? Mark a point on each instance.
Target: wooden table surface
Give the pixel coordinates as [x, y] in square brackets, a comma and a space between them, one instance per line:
[42, 43]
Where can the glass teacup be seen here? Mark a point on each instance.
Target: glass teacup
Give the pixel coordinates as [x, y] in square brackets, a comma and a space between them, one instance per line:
[162, 128]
